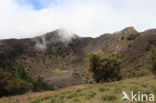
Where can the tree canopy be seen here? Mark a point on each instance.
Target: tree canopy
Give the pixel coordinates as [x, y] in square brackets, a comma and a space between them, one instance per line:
[104, 67]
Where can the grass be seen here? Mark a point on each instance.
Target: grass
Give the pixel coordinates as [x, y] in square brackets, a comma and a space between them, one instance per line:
[100, 93]
[104, 93]
[59, 71]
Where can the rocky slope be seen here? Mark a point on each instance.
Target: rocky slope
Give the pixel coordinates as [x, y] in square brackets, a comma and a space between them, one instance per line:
[62, 60]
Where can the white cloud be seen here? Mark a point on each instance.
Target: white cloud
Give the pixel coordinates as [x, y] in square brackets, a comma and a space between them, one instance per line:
[84, 17]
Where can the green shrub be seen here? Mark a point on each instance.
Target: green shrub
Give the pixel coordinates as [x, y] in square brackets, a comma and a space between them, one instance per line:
[18, 86]
[10, 85]
[104, 67]
[18, 82]
[135, 74]
[40, 85]
[4, 77]
[21, 73]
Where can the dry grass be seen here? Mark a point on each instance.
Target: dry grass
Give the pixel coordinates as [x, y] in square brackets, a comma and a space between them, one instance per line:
[26, 98]
[98, 93]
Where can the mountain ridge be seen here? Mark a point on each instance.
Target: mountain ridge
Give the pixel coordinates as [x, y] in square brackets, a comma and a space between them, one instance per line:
[43, 55]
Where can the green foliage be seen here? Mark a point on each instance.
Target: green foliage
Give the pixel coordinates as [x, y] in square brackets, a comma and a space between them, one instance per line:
[10, 85]
[18, 86]
[40, 85]
[18, 82]
[152, 59]
[132, 36]
[21, 73]
[57, 50]
[4, 77]
[104, 67]
[135, 74]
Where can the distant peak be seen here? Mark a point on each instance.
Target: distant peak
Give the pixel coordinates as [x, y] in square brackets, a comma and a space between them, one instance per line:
[129, 30]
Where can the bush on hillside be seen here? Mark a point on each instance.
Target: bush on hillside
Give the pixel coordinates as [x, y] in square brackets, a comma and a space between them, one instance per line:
[19, 82]
[104, 67]
[152, 59]
[4, 77]
[21, 73]
[40, 85]
[18, 86]
[10, 85]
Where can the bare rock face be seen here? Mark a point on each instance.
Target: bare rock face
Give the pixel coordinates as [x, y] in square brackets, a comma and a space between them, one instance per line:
[129, 30]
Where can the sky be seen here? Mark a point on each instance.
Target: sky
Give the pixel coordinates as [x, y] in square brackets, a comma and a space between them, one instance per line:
[29, 18]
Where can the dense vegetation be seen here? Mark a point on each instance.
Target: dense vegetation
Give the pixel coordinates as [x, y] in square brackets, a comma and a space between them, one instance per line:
[13, 77]
[19, 82]
[152, 59]
[57, 50]
[104, 67]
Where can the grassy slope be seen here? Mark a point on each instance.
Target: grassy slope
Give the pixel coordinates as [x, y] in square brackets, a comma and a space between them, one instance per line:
[100, 93]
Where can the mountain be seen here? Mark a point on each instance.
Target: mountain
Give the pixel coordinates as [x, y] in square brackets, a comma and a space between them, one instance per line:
[61, 60]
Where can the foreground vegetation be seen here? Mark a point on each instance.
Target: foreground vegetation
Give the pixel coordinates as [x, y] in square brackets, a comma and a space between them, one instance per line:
[103, 93]
[110, 92]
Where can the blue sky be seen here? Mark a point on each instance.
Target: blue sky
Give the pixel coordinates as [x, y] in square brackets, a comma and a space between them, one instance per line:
[29, 18]
[37, 4]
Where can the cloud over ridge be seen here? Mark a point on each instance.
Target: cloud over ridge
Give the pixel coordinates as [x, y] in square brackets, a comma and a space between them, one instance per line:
[83, 17]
